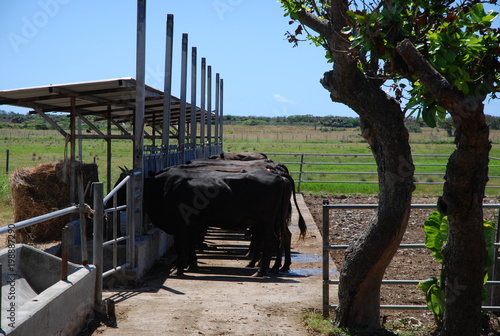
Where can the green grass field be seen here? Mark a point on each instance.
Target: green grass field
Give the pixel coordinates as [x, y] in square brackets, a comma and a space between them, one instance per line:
[30, 148]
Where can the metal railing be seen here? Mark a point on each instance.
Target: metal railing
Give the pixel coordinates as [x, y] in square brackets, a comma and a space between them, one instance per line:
[307, 159]
[98, 224]
[327, 248]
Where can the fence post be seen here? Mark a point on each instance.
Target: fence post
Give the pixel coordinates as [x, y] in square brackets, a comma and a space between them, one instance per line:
[326, 266]
[7, 155]
[300, 170]
[98, 241]
[131, 223]
[64, 253]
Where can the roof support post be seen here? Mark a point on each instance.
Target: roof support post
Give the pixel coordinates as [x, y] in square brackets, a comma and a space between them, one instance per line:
[140, 100]
[202, 104]
[217, 96]
[221, 113]
[209, 110]
[193, 100]
[167, 87]
[72, 144]
[182, 117]
[108, 151]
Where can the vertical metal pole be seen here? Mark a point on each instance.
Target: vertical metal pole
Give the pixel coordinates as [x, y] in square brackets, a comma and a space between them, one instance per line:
[326, 266]
[140, 100]
[193, 100]
[80, 144]
[167, 87]
[98, 241]
[221, 114]
[108, 152]
[182, 117]
[130, 223]
[217, 96]
[83, 222]
[209, 109]
[7, 155]
[300, 171]
[202, 104]
[72, 151]
[64, 253]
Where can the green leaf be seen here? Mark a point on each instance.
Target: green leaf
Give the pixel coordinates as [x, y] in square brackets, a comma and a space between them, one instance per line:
[489, 238]
[429, 116]
[436, 233]
[434, 296]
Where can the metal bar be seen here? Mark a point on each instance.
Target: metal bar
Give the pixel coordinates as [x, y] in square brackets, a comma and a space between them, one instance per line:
[209, 109]
[300, 171]
[115, 189]
[182, 116]
[221, 113]
[193, 98]
[50, 121]
[72, 145]
[114, 270]
[167, 86]
[108, 151]
[417, 307]
[39, 219]
[217, 104]
[83, 223]
[130, 224]
[140, 101]
[326, 257]
[115, 240]
[64, 254]
[97, 254]
[202, 103]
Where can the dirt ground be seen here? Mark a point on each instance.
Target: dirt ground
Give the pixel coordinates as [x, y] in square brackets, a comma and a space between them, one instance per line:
[413, 264]
[222, 297]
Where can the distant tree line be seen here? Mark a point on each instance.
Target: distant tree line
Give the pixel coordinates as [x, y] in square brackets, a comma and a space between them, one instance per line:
[331, 123]
[326, 124]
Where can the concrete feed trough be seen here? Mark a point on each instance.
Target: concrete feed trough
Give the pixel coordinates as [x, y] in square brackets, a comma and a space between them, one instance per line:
[34, 299]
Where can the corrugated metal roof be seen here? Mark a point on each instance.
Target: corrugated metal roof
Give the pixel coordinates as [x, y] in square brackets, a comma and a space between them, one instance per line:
[115, 97]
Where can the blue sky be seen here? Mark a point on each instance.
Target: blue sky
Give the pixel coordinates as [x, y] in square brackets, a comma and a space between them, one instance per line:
[46, 42]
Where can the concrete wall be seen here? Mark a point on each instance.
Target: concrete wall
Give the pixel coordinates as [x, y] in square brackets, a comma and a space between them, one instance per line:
[34, 300]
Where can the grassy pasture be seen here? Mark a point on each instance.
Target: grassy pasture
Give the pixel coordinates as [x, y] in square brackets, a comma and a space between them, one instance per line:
[30, 148]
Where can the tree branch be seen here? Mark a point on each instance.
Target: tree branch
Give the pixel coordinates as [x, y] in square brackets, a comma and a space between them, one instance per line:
[437, 85]
[321, 26]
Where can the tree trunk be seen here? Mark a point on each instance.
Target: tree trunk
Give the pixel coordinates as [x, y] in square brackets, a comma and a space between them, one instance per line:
[366, 259]
[382, 125]
[462, 199]
[465, 251]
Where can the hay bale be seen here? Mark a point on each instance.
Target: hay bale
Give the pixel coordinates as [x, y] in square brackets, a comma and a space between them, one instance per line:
[43, 189]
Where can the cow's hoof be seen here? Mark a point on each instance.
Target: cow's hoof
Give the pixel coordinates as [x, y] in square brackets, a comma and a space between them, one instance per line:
[193, 268]
[284, 269]
[258, 274]
[274, 270]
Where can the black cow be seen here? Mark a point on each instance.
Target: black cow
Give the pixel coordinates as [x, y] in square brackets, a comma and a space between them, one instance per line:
[284, 243]
[242, 156]
[184, 200]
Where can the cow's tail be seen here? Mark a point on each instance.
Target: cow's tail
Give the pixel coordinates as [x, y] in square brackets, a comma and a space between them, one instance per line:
[302, 222]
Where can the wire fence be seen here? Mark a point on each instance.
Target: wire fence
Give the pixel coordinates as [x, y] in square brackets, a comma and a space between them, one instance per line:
[356, 168]
[494, 272]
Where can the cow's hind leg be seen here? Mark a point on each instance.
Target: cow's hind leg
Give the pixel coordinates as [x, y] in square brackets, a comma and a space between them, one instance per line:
[286, 245]
[267, 251]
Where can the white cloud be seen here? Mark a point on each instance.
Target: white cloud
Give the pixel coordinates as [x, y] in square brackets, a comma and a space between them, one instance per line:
[281, 99]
